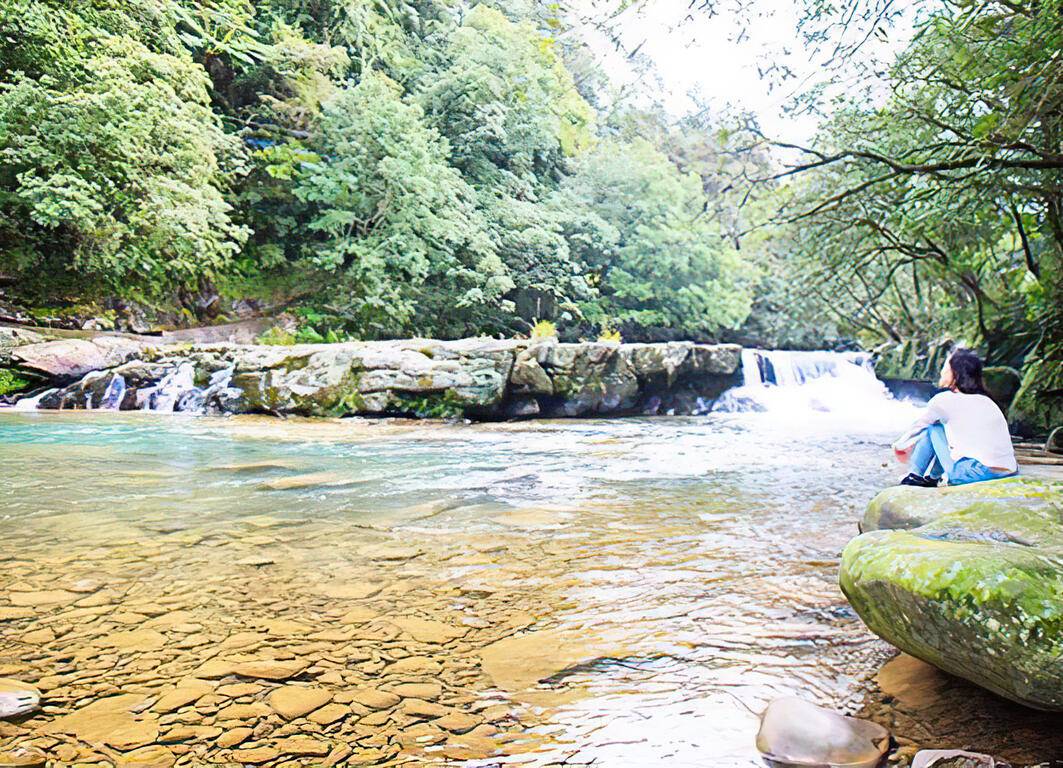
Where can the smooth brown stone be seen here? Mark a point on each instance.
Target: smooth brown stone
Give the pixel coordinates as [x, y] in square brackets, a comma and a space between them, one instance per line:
[251, 711]
[182, 696]
[236, 690]
[423, 709]
[428, 691]
[424, 631]
[329, 714]
[42, 597]
[13, 614]
[376, 718]
[38, 637]
[212, 669]
[374, 698]
[292, 701]
[359, 615]
[108, 721]
[190, 733]
[349, 591]
[457, 722]
[232, 737]
[255, 755]
[147, 757]
[303, 746]
[268, 669]
[414, 665]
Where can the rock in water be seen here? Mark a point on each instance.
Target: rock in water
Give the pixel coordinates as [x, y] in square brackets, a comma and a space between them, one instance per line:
[17, 698]
[951, 758]
[23, 757]
[794, 732]
[971, 583]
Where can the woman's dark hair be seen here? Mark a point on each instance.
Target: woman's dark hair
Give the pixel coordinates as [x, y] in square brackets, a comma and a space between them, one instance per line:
[967, 372]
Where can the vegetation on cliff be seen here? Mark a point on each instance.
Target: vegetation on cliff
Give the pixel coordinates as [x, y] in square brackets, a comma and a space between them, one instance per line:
[391, 168]
[397, 167]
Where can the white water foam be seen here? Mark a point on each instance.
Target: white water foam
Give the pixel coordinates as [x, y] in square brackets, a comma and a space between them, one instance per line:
[796, 386]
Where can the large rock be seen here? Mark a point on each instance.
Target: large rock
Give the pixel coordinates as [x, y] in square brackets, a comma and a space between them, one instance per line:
[67, 359]
[12, 338]
[797, 733]
[468, 378]
[969, 579]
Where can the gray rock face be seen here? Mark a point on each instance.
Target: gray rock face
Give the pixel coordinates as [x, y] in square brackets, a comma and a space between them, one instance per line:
[67, 359]
[11, 338]
[468, 378]
[794, 732]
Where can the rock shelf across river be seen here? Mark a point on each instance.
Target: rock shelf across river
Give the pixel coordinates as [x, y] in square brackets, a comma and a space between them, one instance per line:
[472, 378]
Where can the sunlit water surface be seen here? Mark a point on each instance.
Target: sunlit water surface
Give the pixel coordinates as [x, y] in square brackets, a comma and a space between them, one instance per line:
[697, 557]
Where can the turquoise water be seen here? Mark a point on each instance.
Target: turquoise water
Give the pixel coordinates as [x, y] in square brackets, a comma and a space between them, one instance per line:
[695, 557]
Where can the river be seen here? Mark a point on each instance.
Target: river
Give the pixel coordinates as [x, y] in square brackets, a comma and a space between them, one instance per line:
[622, 593]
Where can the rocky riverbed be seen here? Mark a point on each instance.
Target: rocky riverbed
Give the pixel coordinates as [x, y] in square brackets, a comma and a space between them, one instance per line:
[253, 591]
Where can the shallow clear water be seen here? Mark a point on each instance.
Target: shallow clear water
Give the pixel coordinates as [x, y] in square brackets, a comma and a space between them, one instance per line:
[683, 569]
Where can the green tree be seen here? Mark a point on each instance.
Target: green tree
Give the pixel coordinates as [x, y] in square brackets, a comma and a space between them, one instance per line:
[637, 225]
[392, 216]
[112, 161]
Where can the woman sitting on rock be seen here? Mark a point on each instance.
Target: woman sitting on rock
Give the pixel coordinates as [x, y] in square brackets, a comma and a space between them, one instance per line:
[961, 437]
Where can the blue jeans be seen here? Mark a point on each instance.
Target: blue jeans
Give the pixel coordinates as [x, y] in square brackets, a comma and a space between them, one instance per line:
[931, 458]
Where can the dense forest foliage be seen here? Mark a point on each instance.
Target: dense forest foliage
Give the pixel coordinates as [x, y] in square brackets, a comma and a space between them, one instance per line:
[392, 167]
[385, 168]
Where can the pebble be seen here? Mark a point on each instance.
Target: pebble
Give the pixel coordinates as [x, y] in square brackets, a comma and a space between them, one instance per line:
[256, 755]
[233, 736]
[375, 699]
[423, 709]
[292, 701]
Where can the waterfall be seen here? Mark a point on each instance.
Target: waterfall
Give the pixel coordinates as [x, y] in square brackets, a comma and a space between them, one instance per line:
[164, 396]
[792, 384]
[30, 403]
[113, 395]
[175, 391]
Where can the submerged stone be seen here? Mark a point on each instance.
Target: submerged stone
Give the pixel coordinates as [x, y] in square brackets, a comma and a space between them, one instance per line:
[969, 579]
[795, 733]
[17, 698]
[951, 758]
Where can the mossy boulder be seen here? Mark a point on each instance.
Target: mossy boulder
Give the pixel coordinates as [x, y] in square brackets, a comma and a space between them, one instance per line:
[969, 579]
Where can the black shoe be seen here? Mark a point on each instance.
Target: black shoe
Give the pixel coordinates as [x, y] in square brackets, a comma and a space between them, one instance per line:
[919, 481]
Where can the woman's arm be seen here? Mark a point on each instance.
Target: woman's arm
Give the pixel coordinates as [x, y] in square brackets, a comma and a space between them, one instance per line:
[932, 414]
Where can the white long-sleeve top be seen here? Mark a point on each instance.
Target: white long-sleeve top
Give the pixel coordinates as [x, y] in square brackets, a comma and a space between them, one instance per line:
[974, 426]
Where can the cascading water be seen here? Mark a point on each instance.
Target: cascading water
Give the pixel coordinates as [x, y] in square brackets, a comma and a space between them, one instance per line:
[113, 395]
[791, 384]
[175, 391]
[163, 397]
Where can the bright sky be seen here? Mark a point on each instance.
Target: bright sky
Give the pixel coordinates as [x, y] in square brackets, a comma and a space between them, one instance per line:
[718, 57]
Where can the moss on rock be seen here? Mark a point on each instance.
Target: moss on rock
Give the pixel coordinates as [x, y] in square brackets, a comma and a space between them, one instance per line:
[970, 580]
